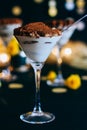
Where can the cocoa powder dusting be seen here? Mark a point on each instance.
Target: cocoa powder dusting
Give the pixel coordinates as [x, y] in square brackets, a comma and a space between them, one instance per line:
[36, 29]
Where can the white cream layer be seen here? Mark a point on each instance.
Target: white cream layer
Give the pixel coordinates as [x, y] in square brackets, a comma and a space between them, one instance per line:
[37, 49]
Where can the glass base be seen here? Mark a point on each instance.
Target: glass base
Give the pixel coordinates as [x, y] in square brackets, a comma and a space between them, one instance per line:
[57, 82]
[37, 117]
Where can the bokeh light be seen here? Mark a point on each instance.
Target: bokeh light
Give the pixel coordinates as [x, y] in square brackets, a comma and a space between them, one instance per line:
[38, 1]
[16, 10]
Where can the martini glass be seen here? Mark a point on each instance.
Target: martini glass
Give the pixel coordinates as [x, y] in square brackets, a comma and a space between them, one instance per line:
[37, 49]
[59, 80]
[7, 26]
[67, 33]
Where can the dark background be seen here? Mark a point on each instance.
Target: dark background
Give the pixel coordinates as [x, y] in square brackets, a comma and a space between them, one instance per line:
[32, 11]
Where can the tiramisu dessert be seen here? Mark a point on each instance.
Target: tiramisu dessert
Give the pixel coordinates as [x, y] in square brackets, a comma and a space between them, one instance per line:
[68, 30]
[37, 40]
[63, 25]
[56, 24]
[7, 26]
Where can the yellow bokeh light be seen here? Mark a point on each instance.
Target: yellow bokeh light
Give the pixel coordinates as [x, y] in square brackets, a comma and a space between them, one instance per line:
[38, 1]
[59, 60]
[4, 58]
[52, 11]
[17, 10]
[80, 3]
[59, 90]
[55, 51]
[67, 52]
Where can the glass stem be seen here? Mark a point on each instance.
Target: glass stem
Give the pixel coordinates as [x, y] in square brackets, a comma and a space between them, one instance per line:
[37, 70]
[59, 62]
[59, 68]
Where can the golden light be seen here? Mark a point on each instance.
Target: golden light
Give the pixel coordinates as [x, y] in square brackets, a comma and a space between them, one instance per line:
[59, 90]
[38, 1]
[80, 3]
[17, 10]
[52, 11]
[67, 52]
[80, 6]
[15, 86]
[59, 60]
[55, 51]
[4, 58]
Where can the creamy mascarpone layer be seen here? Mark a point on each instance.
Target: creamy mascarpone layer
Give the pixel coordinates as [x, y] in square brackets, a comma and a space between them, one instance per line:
[37, 49]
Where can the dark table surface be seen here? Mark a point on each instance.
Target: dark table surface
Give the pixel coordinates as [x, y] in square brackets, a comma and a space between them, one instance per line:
[70, 108]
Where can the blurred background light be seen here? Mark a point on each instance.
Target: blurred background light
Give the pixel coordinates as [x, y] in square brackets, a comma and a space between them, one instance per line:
[81, 26]
[80, 6]
[52, 10]
[16, 10]
[69, 5]
[4, 58]
[38, 1]
[67, 51]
